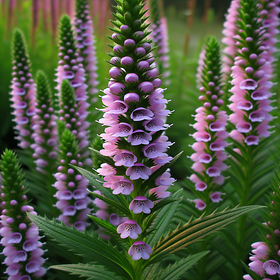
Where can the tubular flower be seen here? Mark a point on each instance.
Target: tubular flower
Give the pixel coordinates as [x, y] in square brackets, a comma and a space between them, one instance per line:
[71, 69]
[85, 45]
[134, 115]
[23, 91]
[210, 136]
[160, 39]
[265, 258]
[250, 79]
[22, 247]
[71, 186]
[45, 130]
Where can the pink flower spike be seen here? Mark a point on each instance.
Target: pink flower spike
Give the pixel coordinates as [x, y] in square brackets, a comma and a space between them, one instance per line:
[123, 186]
[125, 158]
[271, 267]
[248, 84]
[137, 171]
[216, 197]
[141, 114]
[129, 229]
[139, 250]
[141, 204]
[139, 137]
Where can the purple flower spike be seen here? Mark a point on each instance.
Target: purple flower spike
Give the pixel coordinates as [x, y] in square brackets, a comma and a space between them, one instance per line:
[200, 186]
[141, 204]
[125, 158]
[129, 43]
[140, 52]
[115, 72]
[139, 250]
[123, 130]
[129, 229]
[154, 150]
[138, 171]
[141, 114]
[117, 88]
[252, 140]
[118, 107]
[14, 238]
[123, 186]
[131, 97]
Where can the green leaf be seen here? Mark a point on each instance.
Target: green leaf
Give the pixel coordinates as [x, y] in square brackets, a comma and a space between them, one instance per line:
[176, 270]
[123, 208]
[90, 271]
[164, 218]
[92, 248]
[150, 182]
[196, 230]
[109, 227]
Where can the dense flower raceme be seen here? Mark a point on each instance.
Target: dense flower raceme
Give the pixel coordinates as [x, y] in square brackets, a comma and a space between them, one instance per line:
[229, 33]
[269, 11]
[70, 68]
[85, 44]
[22, 247]
[23, 91]
[210, 136]
[71, 186]
[265, 258]
[135, 116]
[251, 75]
[45, 129]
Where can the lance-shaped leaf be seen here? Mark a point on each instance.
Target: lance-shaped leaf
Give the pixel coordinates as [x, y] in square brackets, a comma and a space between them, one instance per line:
[164, 219]
[92, 248]
[176, 270]
[196, 230]
[108, 226]
[150, 183]
[90, 271]
[121, 207]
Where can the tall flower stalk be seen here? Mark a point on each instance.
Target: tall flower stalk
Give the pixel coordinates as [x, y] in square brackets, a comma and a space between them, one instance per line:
[23, 91]
[22, 247]
[70, 68]
[86, 46]
[209, 149]
[71, 186]
[135, 114]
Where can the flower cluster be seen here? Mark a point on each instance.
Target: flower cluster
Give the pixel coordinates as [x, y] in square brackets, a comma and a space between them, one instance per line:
[265, 260]
[71, 186]
[135, 116]
[22, 247]
[45, 129]
[70, 68]
[251, 76]
[23, 91]
[210, 136]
